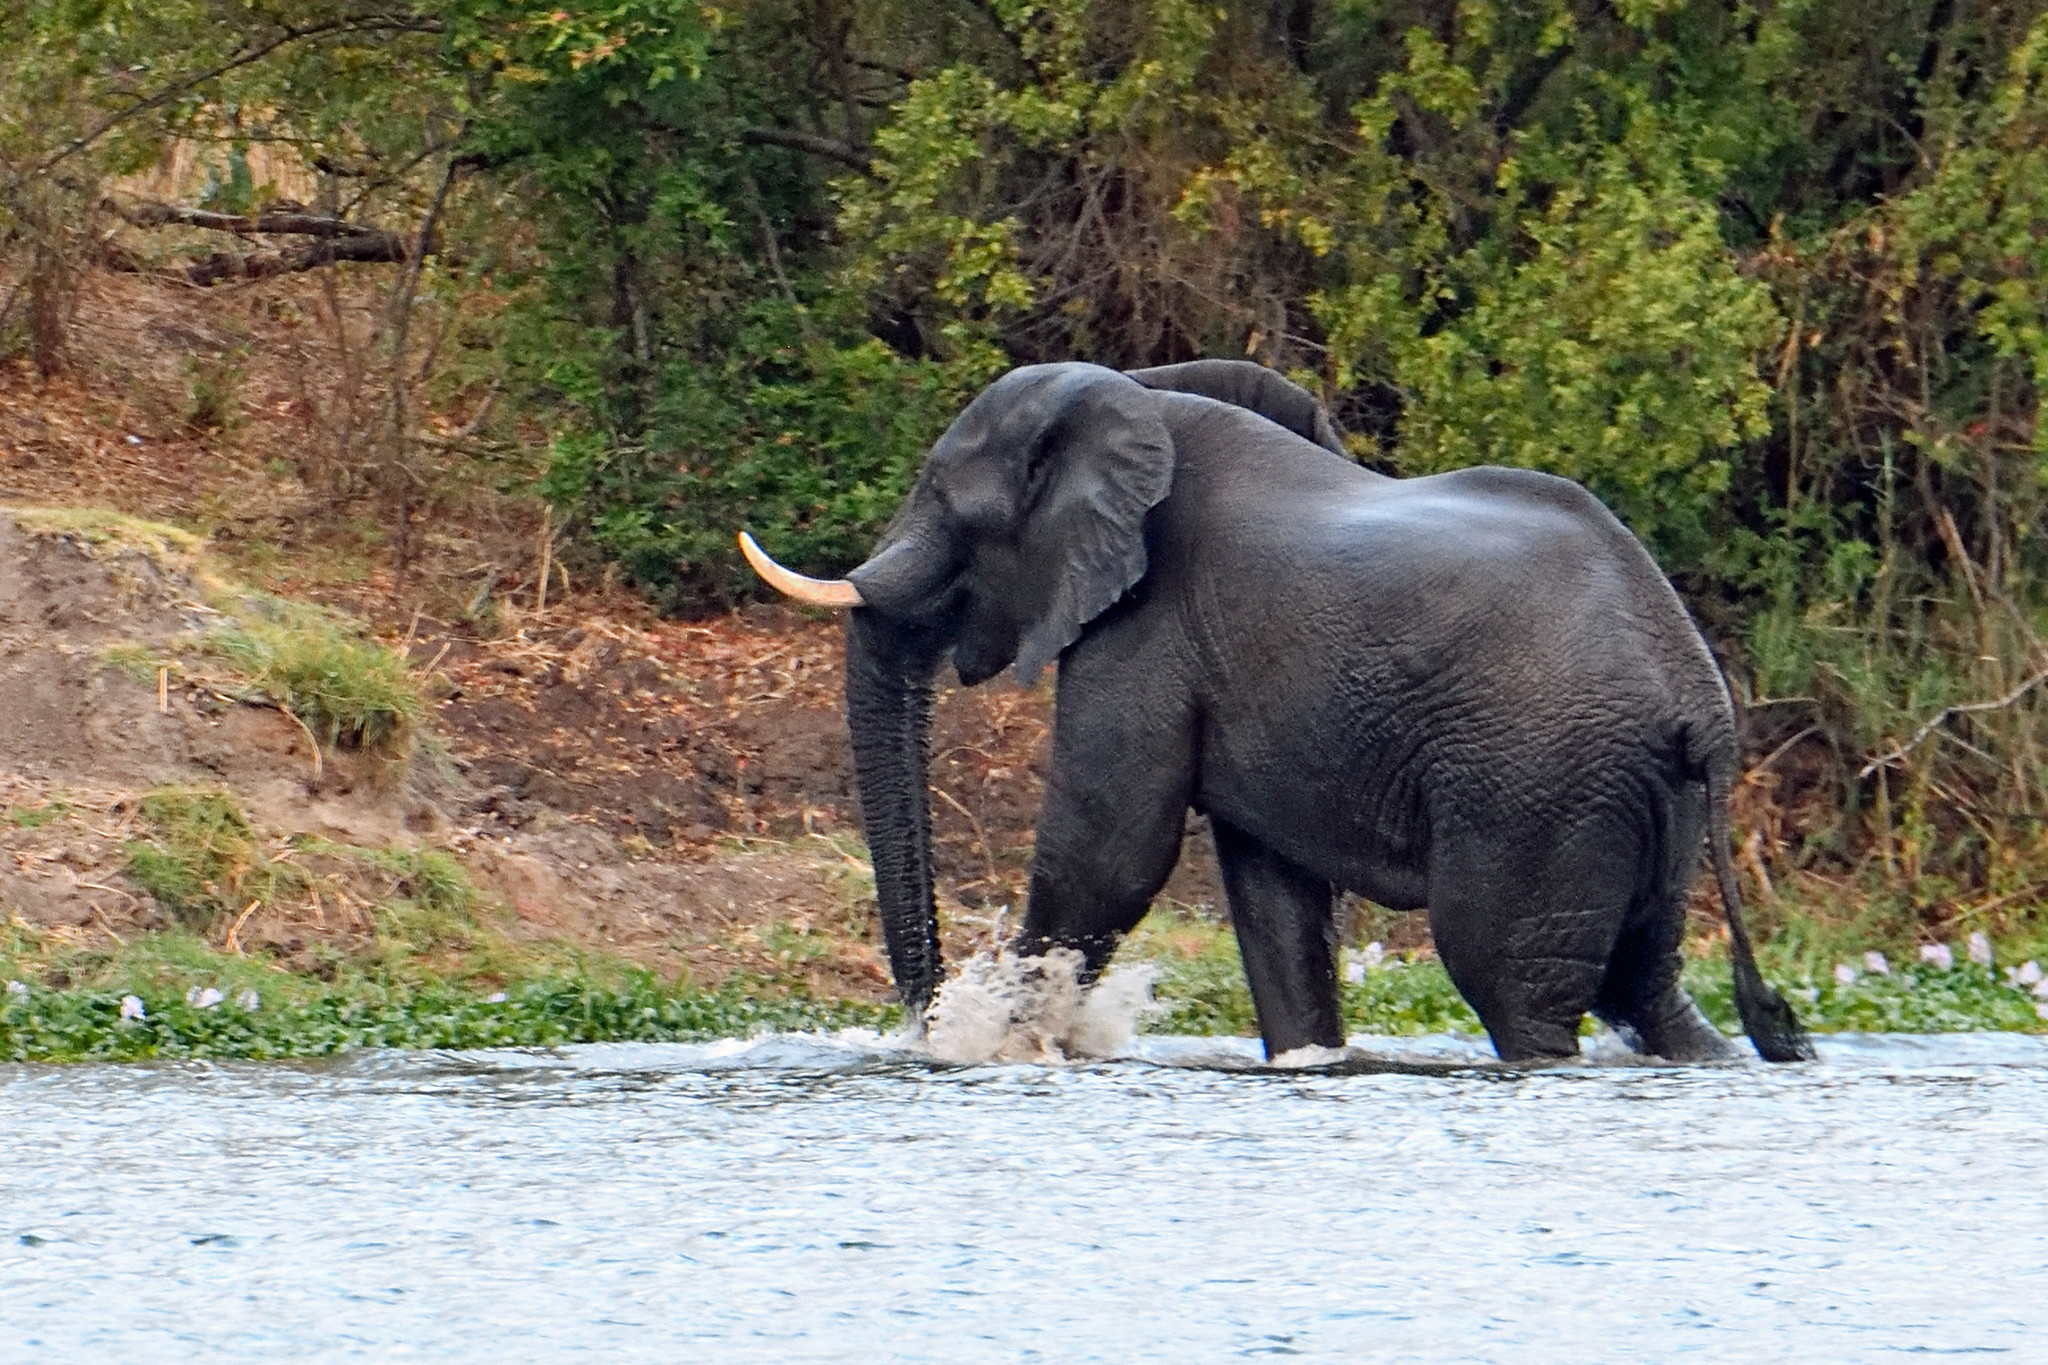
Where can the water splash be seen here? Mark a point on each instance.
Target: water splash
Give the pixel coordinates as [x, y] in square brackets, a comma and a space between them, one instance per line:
[1008, 1008]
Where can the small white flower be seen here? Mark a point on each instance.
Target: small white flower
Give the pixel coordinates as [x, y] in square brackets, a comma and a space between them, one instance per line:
[2041, 990]
[1375, 954]
[1354, 971]
[2041, 1010]
[17, 990]
[249, 1001]
[1938, 954]
[1980, 948]
[1845, 975]
[131, 1007]
[495, 998]
[203, 999]
[1874, 963]
[2030, 972]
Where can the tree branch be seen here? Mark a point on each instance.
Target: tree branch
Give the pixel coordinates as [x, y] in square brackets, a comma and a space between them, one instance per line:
[1929, 728]
[858, 157]
[150, 214]
[380, 248]
[373, 23]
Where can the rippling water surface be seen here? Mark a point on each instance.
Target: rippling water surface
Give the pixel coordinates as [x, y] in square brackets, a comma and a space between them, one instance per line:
[836, 1199]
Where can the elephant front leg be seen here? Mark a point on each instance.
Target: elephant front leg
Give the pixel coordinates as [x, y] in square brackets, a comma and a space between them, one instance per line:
[1286, 933]
[1109, 831]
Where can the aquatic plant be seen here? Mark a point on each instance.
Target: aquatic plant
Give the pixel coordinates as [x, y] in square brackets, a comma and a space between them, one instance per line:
[94, 1025]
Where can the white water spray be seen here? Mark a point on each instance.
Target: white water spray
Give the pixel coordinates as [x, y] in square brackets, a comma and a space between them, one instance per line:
[1007, 1008]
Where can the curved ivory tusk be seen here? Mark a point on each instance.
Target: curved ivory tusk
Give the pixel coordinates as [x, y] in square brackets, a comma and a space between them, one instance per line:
[816, 592]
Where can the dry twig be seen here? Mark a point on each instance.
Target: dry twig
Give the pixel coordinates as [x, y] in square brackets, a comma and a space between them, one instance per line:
[1920, 735]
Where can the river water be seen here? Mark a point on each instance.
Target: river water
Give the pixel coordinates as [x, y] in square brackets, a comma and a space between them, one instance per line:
[840, 1198]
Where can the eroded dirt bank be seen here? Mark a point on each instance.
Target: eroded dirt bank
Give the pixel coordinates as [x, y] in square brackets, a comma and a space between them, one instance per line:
[676, 794]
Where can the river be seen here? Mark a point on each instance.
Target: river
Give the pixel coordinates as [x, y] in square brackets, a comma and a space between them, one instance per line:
[840, 1198]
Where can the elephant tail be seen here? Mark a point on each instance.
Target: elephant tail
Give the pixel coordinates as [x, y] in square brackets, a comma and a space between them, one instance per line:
[1766, 1017]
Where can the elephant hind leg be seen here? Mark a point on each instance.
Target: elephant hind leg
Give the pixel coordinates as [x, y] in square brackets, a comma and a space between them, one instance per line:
[1286, 930]
[1526, 938]
[1641, 992]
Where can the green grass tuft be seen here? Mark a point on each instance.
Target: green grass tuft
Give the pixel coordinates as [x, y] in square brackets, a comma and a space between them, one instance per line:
[98, 526]
[35, 817]
[351, 692]
[201, 859]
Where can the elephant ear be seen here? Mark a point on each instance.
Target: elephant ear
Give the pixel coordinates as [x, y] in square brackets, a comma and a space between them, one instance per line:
[1256, 389]
[1104, 461]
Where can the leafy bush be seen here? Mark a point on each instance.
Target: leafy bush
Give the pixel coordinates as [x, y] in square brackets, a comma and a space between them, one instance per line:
[810, 444]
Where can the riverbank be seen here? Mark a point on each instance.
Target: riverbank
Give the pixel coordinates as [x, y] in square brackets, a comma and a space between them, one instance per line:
[171, 995]
[249, 756]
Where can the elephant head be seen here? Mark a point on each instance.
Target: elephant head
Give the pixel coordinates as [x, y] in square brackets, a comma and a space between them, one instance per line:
[1026, 523]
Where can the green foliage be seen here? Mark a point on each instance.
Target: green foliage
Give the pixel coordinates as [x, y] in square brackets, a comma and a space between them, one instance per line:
[1965, 998]
[349, 691]
[201, 859]
[1201, 987]
[86, 1025]
[1610, 339]
[809, 444]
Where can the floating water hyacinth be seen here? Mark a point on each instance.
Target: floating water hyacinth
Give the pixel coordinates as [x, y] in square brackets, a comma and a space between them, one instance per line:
[1359, 961]
[249, 1001]
[1937, 955]
[1980, 948]
[131, 1007]
[203, 999]
[17, 990]
[1875, 964]
[1845, 975]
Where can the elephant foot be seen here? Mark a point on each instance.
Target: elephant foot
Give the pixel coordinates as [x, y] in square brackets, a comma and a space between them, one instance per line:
[1676, 1031]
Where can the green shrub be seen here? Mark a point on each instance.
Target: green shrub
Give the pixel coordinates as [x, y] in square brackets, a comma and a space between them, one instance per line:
[808, 443]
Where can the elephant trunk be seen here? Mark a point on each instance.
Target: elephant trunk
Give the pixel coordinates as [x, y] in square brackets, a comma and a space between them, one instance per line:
[889, 711]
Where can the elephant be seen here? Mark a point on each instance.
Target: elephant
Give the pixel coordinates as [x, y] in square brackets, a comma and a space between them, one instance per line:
[1471, 692]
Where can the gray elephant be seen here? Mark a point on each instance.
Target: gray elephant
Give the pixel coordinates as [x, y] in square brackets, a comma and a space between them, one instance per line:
[1473, 692]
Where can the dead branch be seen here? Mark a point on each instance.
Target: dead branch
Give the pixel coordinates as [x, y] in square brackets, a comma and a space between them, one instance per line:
[1942, 715]
[286, 221]
[382, 248]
